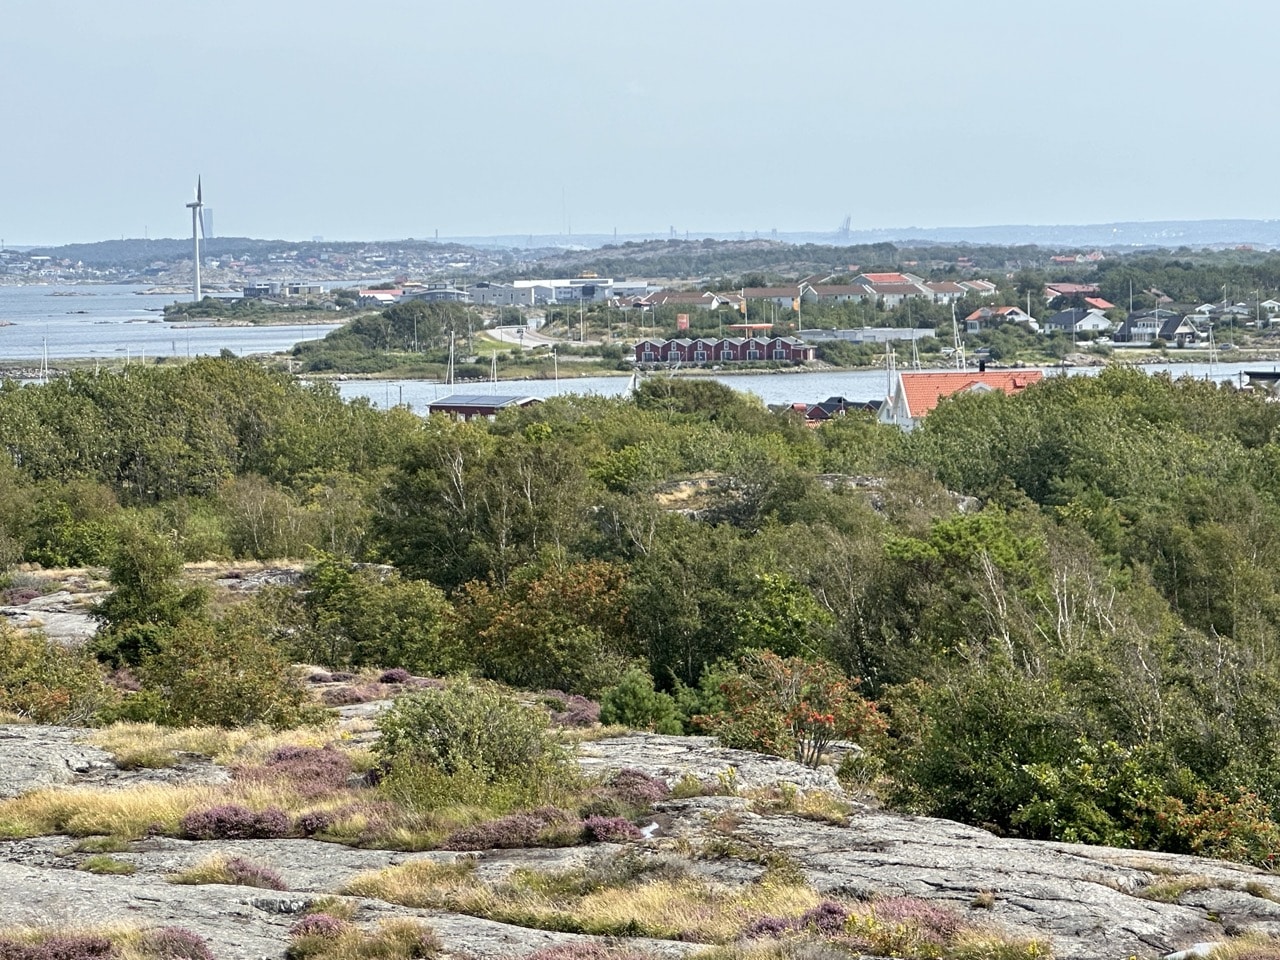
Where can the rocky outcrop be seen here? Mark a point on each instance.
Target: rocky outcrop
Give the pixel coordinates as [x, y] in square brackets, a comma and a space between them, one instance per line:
[701, 758]
[32, 757]
[1088, 902]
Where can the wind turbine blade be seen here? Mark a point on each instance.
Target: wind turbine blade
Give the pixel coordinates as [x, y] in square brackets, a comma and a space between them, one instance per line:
[199, 198]
[201, 209]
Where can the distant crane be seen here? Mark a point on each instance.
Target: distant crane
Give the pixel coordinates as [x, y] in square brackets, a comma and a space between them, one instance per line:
[197, 223]
[843, 232]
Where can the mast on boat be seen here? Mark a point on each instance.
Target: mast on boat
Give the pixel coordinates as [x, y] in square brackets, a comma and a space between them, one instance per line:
[958, 344]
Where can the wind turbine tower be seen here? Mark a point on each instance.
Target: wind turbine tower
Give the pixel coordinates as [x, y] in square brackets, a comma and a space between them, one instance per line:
[197, 224]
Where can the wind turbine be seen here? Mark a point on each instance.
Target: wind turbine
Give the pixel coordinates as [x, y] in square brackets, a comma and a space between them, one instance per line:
[197, 224]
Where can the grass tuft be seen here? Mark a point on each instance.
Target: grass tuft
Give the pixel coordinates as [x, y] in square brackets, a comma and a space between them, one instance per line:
[233, 871]
[391, 940]
[102, 864]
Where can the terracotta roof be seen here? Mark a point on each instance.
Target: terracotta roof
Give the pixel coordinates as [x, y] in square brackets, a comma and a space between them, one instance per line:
[885, 278]
[1099, 304]
[924, 390]
[984, 313]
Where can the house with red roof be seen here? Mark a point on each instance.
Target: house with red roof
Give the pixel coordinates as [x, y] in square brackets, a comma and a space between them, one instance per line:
[1053, 291]
[915, 394]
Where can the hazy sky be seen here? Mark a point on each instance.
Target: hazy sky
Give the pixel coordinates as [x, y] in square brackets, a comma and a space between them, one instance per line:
[398, 118]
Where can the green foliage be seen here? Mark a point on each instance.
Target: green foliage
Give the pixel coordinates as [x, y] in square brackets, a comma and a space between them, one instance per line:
[466, 743]
[556, 626]
[792, 708]
[224, 673]
[146, 597]
[783, 616]
[633, 702]
[45, 682]
[361, 616]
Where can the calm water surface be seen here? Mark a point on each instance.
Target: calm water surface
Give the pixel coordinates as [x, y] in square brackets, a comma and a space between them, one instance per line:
[115, 320]
[861, 385]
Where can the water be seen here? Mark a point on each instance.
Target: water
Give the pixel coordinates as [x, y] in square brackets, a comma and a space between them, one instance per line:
[773, 388]
[112, 320]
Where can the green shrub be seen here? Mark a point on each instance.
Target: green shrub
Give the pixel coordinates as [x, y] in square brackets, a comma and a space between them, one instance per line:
[470, 737]
[46, 682]
[366, 617]
[792, 708]
[224, 673]
[633, 702]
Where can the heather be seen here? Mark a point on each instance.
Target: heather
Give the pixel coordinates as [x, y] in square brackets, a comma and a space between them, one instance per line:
[1048, 613]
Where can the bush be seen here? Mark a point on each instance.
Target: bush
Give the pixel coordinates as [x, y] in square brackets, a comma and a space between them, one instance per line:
[637, 788]
[176, 943]
[246, 873]
[633, 702]
[571, 709]
[319, 925]
[611, 829]
[230, 821]
[791, 707]
[48, 683]
[473, 732]
[224, 674]
[57, 947]
[546, 826]
[311, 772]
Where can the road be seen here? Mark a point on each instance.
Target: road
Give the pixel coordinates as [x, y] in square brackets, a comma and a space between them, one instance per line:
[530, 338]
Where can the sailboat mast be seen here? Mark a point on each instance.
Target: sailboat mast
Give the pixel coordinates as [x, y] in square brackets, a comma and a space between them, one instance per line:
[957, 343]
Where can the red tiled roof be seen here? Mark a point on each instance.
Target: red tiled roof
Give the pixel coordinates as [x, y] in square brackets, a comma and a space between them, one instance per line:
[1070, 289]
[1099, 304]
[924, 390]
[885, 278]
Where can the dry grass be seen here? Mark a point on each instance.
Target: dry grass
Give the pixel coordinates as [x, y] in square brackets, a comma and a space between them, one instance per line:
[1248, 947]
[995, 945]
[576, 735]
[391, 940]
[1171, 889]
[233, 871]
[105, 865]
[87, 811]
[149, 808]
[134, 744]
[819, 805]
[1262, 891]
[684, 908]
[209, 870]
[129, 940]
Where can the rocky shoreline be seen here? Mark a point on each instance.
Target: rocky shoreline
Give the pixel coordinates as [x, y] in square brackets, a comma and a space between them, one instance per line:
[1087, 902]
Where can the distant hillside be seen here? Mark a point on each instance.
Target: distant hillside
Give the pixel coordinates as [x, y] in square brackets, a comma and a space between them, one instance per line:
[133, 253]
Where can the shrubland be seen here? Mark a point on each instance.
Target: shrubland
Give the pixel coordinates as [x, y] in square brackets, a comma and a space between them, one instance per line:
[1052, 615]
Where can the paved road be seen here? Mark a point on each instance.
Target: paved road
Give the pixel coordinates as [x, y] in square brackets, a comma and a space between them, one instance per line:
[529, 338]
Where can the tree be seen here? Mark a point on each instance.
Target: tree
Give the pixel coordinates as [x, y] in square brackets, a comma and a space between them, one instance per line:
[792, 707]
[147, 598]
[552, 626]
[372, 617]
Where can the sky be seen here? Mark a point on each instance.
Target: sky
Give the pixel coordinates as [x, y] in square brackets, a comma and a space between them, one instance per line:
[386, 119]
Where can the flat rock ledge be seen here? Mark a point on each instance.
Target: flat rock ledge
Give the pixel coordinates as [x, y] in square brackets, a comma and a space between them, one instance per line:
[702, 758]
[1088, 902]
